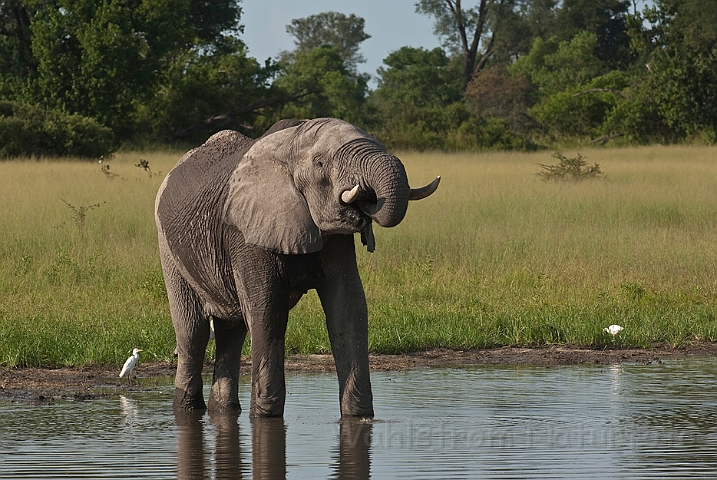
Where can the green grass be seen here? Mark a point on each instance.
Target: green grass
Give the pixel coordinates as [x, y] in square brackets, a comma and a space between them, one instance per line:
[496, 257]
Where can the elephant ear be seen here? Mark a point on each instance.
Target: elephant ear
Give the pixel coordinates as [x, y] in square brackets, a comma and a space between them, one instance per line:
[265, 205]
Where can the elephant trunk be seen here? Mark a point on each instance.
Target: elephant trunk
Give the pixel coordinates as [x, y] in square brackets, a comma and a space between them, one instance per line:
[386, 177]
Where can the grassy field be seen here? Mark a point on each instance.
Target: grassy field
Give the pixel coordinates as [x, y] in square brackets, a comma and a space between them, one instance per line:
[496, 257]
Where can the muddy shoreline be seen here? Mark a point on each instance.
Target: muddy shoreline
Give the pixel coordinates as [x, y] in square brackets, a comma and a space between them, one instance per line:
[46, 385]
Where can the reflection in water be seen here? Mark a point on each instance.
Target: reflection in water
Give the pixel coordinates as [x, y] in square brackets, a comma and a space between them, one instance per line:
[351, 458]
[627, 422]
[194, 456]
[228, 449]
[128, 408]
[354, 452]
[190, 445]
[268, 448]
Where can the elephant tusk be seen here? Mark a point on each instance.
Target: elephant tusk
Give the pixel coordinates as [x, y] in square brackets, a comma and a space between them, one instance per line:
[423, 192]
[350, 196]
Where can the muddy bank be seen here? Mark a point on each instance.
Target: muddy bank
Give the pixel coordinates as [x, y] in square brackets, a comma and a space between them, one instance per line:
[39, 385]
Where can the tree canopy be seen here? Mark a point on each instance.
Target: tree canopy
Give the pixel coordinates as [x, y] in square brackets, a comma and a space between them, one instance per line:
[84, 77]
[344, 32]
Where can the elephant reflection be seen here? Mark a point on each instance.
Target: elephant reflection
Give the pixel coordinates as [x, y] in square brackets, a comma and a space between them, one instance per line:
[191, 461]
[268, 448]
[354, 459]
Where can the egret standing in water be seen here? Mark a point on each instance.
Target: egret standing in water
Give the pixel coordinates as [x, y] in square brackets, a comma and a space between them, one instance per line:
[130, 364]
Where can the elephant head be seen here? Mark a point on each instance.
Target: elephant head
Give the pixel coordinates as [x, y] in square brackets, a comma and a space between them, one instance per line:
[317, 178]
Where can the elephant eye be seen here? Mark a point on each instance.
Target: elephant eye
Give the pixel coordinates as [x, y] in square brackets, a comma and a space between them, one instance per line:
[319, 164]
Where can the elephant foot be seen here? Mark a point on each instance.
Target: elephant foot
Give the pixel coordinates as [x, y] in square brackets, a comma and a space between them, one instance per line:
[368, 415]
[363, 413]
[184, 401]
[263, 413]
[268, 393]
[356, 396]
[224, 396]
[267, 407]
[223, 405]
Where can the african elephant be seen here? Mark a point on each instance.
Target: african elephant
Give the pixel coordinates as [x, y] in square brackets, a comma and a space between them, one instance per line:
[246, 227]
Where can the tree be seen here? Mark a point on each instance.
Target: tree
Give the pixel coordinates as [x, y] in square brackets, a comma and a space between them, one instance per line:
[496, 93]
[345, 33]
[540, 17]
[106, 60]
[675, 95]
[411, 105]
[606, 19]
[519, 22]
[575, 93]
[553, 66]
[463, 31]
[215, 23]
[317, 83]
[206, 92]
[99, 59]
[419, 105]
[319, 78]
[16, 60]
[30, 131]
[418, 77]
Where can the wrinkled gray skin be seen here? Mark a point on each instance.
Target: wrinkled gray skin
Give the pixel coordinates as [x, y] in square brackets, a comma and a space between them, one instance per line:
[246, 227]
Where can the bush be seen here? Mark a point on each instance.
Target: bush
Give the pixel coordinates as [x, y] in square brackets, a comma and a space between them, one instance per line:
[575, 169]
[488, 134]
[449, 128]
[30, 131]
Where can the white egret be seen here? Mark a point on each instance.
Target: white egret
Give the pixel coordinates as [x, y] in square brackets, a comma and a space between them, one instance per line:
[130, 364]
[613, 329]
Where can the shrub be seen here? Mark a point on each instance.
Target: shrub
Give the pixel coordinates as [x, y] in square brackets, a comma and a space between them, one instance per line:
[569, 169]
[30, 131]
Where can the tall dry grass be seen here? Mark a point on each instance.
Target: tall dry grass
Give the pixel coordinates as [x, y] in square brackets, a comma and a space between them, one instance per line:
[496, 257]
[76, 293]
[499, 257]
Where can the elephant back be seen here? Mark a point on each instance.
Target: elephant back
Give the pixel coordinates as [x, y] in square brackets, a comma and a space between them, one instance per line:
[188, 212]
[202, 173]
[189, 207]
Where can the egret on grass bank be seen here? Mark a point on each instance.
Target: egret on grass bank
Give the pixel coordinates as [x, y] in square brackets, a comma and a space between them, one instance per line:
[613, 329]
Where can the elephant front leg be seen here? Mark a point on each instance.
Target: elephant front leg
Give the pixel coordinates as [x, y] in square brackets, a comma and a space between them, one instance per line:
[229, 336]
[264, 296]
[344, 303]
[268, 388]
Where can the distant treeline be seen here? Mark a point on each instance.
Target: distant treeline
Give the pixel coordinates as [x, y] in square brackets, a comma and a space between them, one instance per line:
[83, 78]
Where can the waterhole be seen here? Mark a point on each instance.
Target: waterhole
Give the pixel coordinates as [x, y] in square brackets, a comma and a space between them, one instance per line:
[615, 421]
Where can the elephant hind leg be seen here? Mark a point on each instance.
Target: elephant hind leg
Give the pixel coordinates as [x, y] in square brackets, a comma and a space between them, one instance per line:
[229, 336]
[191, 328]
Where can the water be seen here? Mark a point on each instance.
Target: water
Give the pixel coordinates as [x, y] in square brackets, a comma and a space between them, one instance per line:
[617, 422]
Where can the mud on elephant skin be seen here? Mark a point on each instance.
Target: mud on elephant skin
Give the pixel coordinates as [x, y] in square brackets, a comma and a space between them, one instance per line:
[247, 226]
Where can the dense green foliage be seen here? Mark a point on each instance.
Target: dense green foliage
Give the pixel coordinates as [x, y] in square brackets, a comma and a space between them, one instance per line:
[511, 74]
[27, 130]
